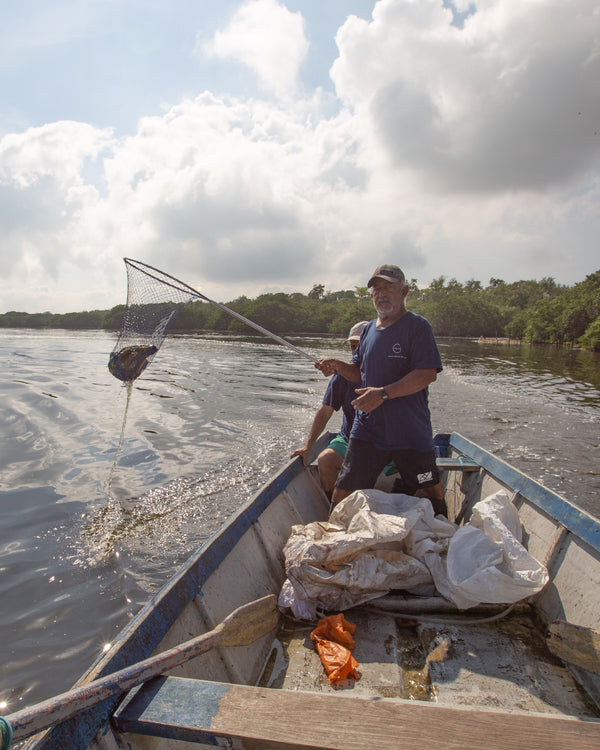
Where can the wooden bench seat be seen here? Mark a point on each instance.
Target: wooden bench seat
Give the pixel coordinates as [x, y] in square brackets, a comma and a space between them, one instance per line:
[201, 711]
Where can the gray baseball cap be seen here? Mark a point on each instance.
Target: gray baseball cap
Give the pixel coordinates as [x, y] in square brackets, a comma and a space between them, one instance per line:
[356, 330]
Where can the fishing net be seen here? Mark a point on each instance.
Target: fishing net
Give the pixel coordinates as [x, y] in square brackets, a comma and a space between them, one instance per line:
[154, 299]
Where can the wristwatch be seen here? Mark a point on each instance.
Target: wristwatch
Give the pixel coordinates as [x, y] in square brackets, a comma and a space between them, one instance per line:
[384, 394]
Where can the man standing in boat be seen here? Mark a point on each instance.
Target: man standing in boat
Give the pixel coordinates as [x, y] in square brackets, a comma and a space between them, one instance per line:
[395, 361]
[340, 394]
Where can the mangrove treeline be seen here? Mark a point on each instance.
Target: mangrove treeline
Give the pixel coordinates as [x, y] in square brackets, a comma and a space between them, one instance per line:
[533, 311]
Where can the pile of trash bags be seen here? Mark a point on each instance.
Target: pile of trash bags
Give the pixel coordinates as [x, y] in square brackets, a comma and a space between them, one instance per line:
[375, 542]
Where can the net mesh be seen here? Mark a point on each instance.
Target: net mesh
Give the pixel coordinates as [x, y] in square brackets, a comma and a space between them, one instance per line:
[154, 299]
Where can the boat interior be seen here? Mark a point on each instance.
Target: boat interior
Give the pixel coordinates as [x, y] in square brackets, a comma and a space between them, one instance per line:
[430, 675]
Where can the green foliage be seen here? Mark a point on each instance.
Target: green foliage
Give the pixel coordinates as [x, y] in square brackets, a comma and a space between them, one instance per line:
[564, 315]
[517, 326]
[79, 321]
[113, 318]
[317, 291]
[457, 310]
[591, 338]
[535, 311]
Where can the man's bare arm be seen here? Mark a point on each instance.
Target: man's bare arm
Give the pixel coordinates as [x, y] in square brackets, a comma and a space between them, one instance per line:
[369, 399]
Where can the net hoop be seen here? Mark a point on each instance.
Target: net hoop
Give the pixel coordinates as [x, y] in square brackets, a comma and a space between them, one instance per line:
[162, 275]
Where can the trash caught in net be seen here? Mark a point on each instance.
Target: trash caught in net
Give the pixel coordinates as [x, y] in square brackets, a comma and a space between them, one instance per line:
[129, 363]
[154, 299]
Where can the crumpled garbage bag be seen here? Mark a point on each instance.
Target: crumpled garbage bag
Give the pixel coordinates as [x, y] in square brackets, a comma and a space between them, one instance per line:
[333, 641]
[375, 542]
[364, 550]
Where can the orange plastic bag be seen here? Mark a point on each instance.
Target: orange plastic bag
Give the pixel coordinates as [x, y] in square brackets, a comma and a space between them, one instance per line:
[333, 640]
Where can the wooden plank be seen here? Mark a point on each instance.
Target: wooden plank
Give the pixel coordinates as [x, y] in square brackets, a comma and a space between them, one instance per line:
[575, 644]
[200, 711]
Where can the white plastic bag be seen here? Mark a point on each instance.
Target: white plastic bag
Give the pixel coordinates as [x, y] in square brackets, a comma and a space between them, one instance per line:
[486, 560]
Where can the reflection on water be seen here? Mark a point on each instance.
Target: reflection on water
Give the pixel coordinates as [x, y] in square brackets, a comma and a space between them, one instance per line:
[207, 423]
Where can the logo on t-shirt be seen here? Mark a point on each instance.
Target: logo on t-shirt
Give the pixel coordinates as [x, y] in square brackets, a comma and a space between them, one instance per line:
[426, 477]
[397, 352]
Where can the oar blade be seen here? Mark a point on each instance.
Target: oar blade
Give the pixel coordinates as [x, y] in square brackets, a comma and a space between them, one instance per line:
[249, 622]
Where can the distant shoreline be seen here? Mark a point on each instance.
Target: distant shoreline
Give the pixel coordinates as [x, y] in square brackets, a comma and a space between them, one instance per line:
[520, 342]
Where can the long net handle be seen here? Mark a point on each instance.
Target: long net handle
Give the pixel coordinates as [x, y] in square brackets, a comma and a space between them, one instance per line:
[181, 286]
[263, 330]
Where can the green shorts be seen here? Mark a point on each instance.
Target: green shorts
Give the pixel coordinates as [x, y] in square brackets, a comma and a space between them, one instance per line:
[339, 444]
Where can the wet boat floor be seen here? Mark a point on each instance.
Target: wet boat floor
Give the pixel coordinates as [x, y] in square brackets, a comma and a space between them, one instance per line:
[503, 665]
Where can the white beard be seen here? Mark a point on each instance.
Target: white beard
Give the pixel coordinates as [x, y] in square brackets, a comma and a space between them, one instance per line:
[384, 306]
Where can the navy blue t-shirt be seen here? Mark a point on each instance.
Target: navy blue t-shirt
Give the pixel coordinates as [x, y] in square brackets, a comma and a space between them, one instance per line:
[385, 356]
[339, 394]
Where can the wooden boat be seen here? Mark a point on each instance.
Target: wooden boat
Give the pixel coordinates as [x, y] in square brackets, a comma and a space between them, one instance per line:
[529, 679]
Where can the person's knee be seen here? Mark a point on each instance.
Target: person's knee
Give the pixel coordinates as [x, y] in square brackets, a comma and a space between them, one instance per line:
[329, 463]
[330, 457]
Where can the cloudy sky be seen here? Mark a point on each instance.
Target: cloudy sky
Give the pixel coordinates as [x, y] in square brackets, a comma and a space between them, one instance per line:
[249, 146]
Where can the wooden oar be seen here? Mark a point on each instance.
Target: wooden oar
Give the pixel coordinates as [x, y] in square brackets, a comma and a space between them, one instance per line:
[243, 626]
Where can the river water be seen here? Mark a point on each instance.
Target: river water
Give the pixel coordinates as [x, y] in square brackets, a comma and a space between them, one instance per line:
[81, 549]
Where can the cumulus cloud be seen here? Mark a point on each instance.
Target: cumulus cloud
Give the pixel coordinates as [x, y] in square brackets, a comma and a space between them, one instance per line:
[42, 191]
[269, 39]
[468, 151]
[508, 102]
[243, 194]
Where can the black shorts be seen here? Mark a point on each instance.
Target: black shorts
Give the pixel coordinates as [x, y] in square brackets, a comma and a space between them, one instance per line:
[364, 463]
